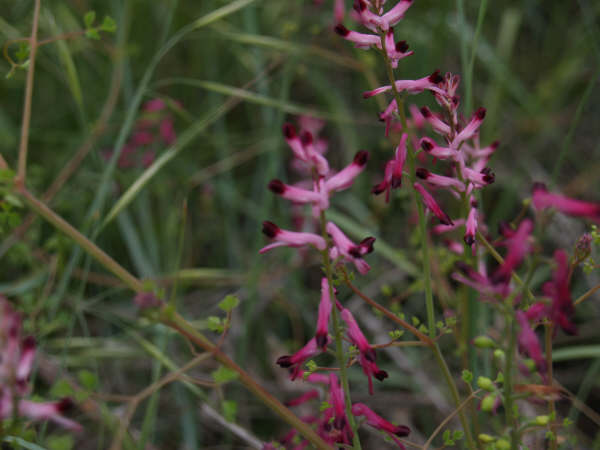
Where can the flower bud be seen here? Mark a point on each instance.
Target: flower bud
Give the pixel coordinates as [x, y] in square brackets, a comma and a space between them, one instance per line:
[486, 438]
[484, 342]
[502, 444]
[487, 404]
[542, 420]
[485, 383]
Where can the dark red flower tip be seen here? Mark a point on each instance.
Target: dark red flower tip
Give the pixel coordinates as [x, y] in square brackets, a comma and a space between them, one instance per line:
[402, 431]
[339, 423]
[360, 5]
[381, 375]
[505, 229]
[284, 361]
[474, 203]
[446, 220]
[13, 331]
[488, 176]
[321, 339]
[401, 46]
[396, 181]
[276, 186]
[469, 239]
[455, 101]
[28, 343]
[306, 137]
[463, 267]
[270, 229]
[538, 186]
[361, 158]
[355, 251]
[341, 30]
[64, 405]
[495, 145]
[480, 113]
[368, 243]
[426, 112]
[289, 131]
[378, 188]
[426, 145]
[435, 77]
[423, 173]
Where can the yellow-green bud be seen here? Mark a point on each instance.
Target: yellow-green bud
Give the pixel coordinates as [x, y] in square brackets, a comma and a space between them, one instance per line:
[486, 438]
[484, 342]
[499, 354]
[485, 383]
[487, 404]
[542, 420]
[502, 444]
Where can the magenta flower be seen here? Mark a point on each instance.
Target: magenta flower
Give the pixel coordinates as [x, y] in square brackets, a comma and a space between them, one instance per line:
[411, 86]
[430, 147]
[321, 335]
[345, 177]
[381, 22]
[299, 195]
[439, 180]
[393, 171]
[52, 411]
[543, 199]
[529, 342]
[471, 226]
[472, 127]
[338, 403]
[377, 422]
[561, 309]
[290, 238]
[349, 250]
[438, 125]
[294, 362]
[361, 40]
[303, 148]
[518, 246]
[313, 393]
[432, 205]
[367, 353]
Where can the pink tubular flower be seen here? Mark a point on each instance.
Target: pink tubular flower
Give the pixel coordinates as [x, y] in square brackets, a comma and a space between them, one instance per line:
[367, 353]
[49, 411]
[432, 205]
[411, 86]
[293, 141]
[439, 180]
[321, 335]
[383, 22]
[393, 171]
[337, 402]
[361, 40]
[299, 195]
[345, 177]
[290, 238]
[543, 199]
[481, 178]
[561, 309]
[438, 125]
[294, 362]
[518, 246]
[471, 226]
[377, 422]
[348, 249]
[395, 50]
[471, 128]
[529, 342]
[313, 393]
[430, 147]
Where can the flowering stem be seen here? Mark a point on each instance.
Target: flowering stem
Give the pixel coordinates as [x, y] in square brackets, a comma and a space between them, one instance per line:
[586, 295]
[548, 332]
[508, 382]
[337, 333]
[426, 262]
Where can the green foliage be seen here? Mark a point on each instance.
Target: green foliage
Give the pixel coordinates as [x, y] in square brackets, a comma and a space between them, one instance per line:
[467, 376]
[229, 303]
[230, 408]
[60, 442]
[224, 375]
[89, 18]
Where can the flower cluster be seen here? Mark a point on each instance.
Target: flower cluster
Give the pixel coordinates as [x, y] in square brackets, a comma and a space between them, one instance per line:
[154, 129]
[17, 356]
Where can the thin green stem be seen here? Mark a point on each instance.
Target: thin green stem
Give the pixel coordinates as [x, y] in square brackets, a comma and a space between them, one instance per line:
[548, 332]
[480, 17]
[586, 295]
[337, 333]
[508, 381]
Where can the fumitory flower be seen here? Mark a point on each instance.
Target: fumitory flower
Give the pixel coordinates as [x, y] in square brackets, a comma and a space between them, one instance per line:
[543, 199]
[290, 238]
[377, 422]
[349, 250]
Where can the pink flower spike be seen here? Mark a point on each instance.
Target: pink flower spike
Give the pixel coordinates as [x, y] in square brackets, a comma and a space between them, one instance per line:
[412, 86]
[294, 362]
[543, 199]
[529, 342]
[345, 177]
[438, 125]
[377, 422]
[432, 205]
[471, 128]
[293, 141]
[298, 195]
[361, 40]
[321, 334]
[471, 227]
[290, 238]
[439, 180]
[393, 171]
[49, 411]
